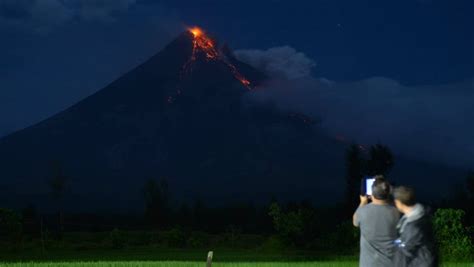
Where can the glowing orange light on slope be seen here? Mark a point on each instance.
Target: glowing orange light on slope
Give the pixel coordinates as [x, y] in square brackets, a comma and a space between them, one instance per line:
[203, 43]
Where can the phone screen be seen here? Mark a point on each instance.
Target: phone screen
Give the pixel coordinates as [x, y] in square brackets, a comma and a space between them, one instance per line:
[368, 186]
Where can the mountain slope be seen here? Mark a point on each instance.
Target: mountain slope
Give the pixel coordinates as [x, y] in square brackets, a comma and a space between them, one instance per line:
[182, 116]
[178, 116]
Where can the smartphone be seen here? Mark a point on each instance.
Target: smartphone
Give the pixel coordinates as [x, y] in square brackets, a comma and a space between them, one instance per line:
[367, 185]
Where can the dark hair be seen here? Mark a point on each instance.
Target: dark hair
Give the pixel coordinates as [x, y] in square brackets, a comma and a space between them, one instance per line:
[381, 188]
[405, 194]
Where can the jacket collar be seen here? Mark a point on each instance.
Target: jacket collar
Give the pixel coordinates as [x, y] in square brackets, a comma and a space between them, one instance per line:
[417, 212]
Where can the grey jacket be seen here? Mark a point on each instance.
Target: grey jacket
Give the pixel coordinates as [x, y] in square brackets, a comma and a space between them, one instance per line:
[416, 245]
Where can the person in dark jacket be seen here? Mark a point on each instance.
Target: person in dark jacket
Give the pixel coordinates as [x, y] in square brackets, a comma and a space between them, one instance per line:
[415, 245]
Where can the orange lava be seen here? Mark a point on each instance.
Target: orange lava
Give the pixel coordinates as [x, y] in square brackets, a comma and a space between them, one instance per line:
[204, 44]
[196, 31]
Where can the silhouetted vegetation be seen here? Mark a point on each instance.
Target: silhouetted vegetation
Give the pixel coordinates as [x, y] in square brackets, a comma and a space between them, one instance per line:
[10, 229]
[355, 166]
[277, 227]
[452, 234]
[156, 197]
[57, 184]
[380, 160]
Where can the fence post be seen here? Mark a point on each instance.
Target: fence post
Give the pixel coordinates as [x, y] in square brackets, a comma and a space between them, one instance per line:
[209, 258]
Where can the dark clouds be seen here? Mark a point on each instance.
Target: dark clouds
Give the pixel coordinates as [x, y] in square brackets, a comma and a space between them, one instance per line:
[40, 16]
[15, 9]
[42, 74]
[100, 9]
[421, 122]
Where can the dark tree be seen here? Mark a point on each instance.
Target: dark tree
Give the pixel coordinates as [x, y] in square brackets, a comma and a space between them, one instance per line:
[58, 184]
[380, 160]
[183, 216]
[156, 202]
[10, 227]
[470, 183]
[294, 224]
[470, 200]
[354, 174]
[199, 214]
[30, 220]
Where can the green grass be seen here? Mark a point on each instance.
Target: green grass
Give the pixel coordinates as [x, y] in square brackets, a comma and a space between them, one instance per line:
[147, 254]
[197, 264]
[182, 264]
[162, 257]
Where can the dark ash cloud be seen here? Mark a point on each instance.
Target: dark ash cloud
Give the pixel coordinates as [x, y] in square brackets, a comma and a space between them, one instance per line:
[37, 15]
[41, 16]
[101, 9]
[15, 9]
[420, 122]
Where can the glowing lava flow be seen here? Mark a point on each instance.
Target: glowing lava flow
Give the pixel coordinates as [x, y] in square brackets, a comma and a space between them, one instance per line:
[205, 45]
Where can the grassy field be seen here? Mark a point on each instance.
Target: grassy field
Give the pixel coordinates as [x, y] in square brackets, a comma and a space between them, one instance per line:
[196, 264]
[183, 264]
[150, 254]
[159, 257]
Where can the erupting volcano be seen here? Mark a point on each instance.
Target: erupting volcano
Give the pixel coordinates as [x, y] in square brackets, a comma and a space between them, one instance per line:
[203, 44]
[181, 115]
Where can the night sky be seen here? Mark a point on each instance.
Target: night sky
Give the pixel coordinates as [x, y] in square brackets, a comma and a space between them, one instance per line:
[418, 52]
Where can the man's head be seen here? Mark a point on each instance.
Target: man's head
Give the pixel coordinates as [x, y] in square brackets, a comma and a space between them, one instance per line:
[404, 198]
[380, 188]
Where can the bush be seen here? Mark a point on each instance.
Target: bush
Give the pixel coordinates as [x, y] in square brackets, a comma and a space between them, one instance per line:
[10, 228]
[198, 240]
[174, 238]
[345, 238]
[272, 244]
[289, 226]
[452, 236]
[117, 239]
[85, 237]
[139, 238]
[232, 235]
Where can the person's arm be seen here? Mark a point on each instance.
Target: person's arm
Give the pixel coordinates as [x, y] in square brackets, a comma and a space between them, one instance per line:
[364, 200]
[411, 240]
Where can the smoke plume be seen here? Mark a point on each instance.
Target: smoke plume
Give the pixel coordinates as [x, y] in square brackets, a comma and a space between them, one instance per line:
[421, 122]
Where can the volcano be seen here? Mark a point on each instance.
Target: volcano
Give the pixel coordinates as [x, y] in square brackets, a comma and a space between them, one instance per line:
[184, 116]
[180, 116]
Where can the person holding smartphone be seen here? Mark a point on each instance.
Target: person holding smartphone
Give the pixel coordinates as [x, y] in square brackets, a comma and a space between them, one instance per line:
[377, 221]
